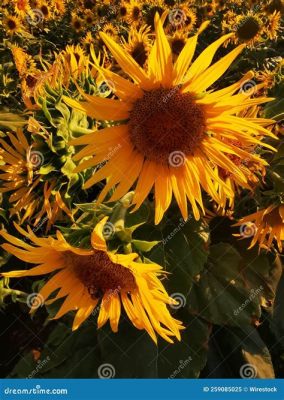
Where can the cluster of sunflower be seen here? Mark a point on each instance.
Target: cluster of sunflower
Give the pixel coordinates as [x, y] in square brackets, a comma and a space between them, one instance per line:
[159, 120]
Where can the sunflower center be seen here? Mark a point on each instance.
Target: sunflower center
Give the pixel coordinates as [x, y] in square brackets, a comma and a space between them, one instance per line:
[99, 274]
[11, 24]
[135, 13]
[248, 29]
[177, 45]
[44, 10]
[164, 122]
[123, 11]
[139, 54]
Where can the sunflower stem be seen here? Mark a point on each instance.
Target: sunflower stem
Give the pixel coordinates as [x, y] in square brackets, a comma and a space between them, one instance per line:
[119, 214]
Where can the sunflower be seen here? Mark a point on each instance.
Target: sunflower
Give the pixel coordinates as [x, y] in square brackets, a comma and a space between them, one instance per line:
[22, 7]
[12, 24]
[122, 10]
[266, 225]
[248, 28]
[182, 17]
[273, 25]
[138, 44]
[209, 9]
[88, 4]
[45, 10]
[171, 130]
[89, 18]
[77, 23]
[18, 174]
[88, 40]
[178, 41]
[74, 62]
[252, 168]
[21, 164]
[86, 277]
[59, 6]
[134, 12]
[110, 30]
[152, 8]
[275, 5]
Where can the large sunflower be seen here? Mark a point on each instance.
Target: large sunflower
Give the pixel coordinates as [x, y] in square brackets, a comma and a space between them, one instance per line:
[86, 277]
[171, 130]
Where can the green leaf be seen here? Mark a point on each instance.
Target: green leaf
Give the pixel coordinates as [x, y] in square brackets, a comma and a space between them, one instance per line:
[182, 250]
[219, 294]
[143, 245]
[131, 352]
[255, 354]
[66, 354]
[185, 359]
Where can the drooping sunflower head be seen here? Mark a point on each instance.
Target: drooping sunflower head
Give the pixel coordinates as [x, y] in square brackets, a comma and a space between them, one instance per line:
[30, 198]
[87, 278]
[172, 132]
[267, 225]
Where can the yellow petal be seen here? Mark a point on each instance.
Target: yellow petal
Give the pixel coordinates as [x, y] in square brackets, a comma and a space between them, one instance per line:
[97, 237]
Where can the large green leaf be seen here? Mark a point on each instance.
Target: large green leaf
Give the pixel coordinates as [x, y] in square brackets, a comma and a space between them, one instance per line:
[186, 358]
[182, 250]
[66, 354]
[130, 353]
[256, 359]
[219, 293]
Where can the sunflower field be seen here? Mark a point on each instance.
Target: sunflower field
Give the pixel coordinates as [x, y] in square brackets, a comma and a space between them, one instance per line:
[142, 188]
